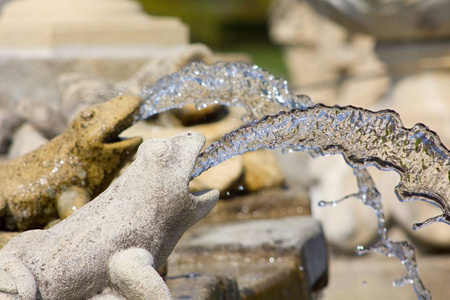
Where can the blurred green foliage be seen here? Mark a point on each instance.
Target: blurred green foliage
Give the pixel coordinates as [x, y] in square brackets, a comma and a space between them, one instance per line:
[208, 19]
[226, 26]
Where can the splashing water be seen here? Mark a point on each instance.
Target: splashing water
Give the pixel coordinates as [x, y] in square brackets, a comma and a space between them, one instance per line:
[363, 137]
[403, 251]
[229, 84]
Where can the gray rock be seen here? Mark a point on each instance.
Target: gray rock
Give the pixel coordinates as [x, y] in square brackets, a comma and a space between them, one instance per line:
[80, 91]
[9, 122]
[49, 121]
[25, 139]
[72, 200]
[119, 238]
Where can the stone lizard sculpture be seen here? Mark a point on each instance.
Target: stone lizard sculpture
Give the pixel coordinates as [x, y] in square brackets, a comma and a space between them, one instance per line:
[116, 241]
[87, 154]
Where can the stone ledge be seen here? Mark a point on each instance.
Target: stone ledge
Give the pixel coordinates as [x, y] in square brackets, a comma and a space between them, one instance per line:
[269, 258]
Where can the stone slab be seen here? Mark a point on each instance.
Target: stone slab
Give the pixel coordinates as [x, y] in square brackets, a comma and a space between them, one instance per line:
[52, 23]
[268, 258]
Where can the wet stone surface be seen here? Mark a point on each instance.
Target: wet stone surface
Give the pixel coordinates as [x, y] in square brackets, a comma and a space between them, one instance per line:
[268, 204]
[269, 259]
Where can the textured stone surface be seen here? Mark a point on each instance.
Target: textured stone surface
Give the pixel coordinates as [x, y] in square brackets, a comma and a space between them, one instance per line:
[118, 239]
[268, 257]
[87, 154]
[25, 140]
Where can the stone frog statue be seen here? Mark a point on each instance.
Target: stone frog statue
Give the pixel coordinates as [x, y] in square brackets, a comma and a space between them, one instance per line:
[110, 248]
[87, 155]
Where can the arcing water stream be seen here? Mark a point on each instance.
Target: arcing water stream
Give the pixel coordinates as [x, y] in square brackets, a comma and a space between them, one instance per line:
[229, 84]
[363, 137]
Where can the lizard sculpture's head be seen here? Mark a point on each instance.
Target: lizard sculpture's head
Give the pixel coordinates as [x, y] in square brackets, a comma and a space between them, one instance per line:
[98, 145]
[101, 124]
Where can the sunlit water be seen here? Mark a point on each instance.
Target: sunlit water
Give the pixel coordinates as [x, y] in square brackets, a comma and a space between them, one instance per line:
[363, 137]
[403, 251]
[229, 84]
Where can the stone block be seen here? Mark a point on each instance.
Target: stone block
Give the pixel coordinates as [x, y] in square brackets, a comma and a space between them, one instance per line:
[55, 23]
[269, 258]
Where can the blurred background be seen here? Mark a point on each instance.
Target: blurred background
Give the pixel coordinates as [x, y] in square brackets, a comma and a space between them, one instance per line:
[59, 56]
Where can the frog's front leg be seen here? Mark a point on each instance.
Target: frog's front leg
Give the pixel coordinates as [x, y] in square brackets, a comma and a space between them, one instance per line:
[16, 281]
[132, 273]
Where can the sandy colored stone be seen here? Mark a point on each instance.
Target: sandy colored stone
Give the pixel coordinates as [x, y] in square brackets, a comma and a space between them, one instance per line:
[221, 177]
[72, 200]
[55, 23]
[261, 171]
[87, 155]
[119, 239]
[25, 140]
